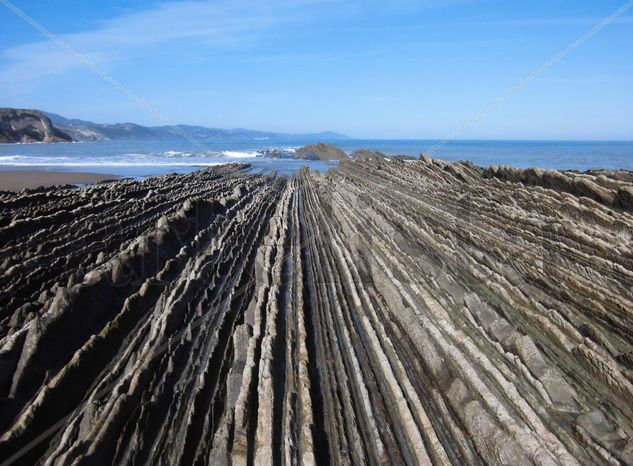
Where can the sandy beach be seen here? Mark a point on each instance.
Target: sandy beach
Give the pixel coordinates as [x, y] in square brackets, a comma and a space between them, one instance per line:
[16, 180]
[443, 302]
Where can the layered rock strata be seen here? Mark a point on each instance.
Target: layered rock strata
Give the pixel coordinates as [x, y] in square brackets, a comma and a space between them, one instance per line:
[385, 312]
[18, 125]
[320, 151]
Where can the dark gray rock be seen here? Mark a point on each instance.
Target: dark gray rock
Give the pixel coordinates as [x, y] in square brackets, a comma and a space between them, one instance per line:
[381, 313]
[321, 151]
[17, 125]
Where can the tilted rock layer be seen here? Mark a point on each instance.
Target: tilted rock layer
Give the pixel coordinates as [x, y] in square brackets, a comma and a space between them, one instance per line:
[382, 313]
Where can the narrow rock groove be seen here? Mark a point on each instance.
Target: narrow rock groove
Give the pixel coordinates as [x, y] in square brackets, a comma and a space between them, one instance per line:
[384, 312]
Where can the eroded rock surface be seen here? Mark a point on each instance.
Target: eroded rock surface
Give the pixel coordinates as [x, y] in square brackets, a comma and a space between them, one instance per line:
[321, 151]
[18, 125]
[385, 312]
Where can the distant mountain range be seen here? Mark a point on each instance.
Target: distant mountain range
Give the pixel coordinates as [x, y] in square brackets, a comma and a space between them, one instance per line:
[82, 130]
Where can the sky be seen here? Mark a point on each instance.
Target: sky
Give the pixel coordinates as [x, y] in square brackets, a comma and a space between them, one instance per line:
[369, 69]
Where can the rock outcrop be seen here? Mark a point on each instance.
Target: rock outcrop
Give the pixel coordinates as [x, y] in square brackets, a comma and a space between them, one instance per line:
[381, 313]
[28, 126]
[321, 151]
[606, 187]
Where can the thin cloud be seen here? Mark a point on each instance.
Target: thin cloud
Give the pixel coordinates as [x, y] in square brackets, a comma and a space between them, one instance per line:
[201, 24]
[198, 27]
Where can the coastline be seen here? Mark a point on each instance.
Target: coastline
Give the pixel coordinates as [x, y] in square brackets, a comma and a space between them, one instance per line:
[16, 180]
[141, 158]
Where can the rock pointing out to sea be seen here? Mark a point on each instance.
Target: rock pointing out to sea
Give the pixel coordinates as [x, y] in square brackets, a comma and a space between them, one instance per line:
[28, 126]
[321, 151]
[417, 312]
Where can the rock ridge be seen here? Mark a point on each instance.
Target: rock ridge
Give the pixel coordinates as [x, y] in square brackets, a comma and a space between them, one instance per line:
[384, 312]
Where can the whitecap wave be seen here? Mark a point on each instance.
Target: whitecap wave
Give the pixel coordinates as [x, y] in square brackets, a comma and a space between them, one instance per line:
[239, 155]
[105, 163]
[169, 153]
[177, 154]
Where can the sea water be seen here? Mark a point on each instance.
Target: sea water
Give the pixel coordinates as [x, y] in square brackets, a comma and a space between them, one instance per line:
[148, 158]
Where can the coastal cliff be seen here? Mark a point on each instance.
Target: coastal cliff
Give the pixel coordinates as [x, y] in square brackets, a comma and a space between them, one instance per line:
[384, 312]
[18, 125]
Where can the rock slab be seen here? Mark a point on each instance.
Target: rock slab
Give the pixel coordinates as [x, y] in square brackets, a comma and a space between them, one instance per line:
[385, 312]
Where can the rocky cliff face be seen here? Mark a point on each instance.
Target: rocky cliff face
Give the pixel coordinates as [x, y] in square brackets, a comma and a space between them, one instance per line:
[28, 126]
[382, 313]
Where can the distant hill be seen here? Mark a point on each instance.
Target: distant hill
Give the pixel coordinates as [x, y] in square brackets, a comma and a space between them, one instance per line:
[26, 125]
[82, 130]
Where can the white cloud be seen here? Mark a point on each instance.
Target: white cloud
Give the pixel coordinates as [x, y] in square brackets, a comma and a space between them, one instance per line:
[199, 26]
[203, 24]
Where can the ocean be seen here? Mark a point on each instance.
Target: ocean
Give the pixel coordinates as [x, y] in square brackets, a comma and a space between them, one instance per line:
[148, 158]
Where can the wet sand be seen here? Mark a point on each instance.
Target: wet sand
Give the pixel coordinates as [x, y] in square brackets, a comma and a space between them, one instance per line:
[28, 179]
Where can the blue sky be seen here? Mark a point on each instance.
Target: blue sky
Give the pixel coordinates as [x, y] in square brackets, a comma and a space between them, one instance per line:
[370, 69]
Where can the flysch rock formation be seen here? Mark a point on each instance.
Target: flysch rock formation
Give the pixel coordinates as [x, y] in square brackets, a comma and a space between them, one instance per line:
[320, 151]
[385, 312]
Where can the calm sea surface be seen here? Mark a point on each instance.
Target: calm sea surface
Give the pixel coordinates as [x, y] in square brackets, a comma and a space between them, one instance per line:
[146, 158]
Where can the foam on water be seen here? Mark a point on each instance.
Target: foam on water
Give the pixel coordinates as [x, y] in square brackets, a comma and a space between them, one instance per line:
[36, 163]
[155, 157]
[240, 155]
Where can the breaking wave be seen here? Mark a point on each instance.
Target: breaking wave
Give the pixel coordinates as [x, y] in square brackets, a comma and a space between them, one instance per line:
[240, 155]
